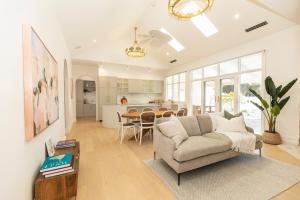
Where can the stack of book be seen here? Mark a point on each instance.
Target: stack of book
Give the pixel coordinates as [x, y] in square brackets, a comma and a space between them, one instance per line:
[65, 144]
[57, 165]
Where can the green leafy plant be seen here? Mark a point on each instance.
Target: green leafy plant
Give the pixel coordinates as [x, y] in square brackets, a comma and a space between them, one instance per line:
[277, 101]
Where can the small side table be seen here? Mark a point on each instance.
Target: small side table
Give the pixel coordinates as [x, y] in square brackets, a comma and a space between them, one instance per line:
[61, 187]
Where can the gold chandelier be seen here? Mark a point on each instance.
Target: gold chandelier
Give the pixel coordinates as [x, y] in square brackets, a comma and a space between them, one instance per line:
[174, 9]
[135, 50]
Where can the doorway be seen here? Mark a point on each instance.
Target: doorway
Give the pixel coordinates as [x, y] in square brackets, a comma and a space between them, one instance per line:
[86, 99]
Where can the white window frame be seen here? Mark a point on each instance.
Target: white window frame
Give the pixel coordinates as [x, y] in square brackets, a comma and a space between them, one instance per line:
[178, 90]
[237, 78]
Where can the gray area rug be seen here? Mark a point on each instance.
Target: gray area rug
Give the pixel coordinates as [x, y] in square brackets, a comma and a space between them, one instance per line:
[240, 178]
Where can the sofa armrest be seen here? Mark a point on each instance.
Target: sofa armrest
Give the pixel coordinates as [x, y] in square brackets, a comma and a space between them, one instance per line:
[163, 145]
[249, 129]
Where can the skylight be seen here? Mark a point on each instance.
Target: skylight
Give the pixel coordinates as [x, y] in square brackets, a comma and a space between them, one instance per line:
[173, 43]
[201, 22]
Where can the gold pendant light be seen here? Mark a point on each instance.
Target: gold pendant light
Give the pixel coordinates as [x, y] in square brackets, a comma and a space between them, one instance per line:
[135, 50]
[175, 7]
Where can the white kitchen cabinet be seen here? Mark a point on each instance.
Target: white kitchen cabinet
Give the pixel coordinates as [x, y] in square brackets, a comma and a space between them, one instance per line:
[145, 86]
[107, 82]
[135, 86]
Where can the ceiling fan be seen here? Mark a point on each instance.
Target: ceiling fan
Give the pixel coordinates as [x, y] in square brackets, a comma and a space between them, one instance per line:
[155, 38]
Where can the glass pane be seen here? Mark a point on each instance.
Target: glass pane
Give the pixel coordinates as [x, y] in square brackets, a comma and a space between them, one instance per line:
[169, 80]
[251, 113]
[182, 77]
[210, 96]
[196, 93]
[228, 67]
[182, 92]
[175, 92]
[197, 74]
[227, 95]
[210, 71]
[176, 78]
[169, 92]
[251, 62]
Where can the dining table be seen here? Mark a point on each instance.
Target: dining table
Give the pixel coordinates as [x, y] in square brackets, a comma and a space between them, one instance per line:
[135, 115]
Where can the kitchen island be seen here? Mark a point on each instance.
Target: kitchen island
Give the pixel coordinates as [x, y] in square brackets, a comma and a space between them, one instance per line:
[109, 112]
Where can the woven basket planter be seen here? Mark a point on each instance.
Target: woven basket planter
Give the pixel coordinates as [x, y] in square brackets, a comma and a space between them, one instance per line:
[272, 138]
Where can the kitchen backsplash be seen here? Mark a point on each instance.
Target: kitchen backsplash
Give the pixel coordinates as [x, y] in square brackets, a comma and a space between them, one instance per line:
[139, 98]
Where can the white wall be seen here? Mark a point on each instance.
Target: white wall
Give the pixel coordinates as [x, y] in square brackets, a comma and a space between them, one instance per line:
[85, 72]
[282, 63]
[130, 72]
[20, 160]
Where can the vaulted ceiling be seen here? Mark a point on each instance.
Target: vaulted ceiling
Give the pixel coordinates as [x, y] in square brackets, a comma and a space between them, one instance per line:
[100, 30]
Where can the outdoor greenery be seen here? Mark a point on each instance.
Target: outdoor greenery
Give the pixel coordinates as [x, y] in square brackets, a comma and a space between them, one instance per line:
[277, 101]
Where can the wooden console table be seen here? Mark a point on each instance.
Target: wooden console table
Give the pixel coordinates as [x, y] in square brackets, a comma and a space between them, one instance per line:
[61, 187]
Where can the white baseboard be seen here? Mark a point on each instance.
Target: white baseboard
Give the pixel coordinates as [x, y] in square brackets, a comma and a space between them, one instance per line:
[288, 140]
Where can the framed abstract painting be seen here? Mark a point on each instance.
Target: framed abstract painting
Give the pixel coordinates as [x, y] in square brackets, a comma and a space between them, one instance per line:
[41, 105]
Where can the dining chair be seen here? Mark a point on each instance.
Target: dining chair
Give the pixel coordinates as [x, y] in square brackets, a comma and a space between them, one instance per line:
[147, 109]
[135, 121]
[168, 113]
[147, 123]
[180, 113]
[162, 109]
[185, 111]
[125, 126]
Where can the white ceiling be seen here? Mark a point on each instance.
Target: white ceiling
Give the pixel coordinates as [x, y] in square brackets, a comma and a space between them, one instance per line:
[111, 23]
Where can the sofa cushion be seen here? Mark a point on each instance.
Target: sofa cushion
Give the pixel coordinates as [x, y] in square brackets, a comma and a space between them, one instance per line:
[236, 124]
[191, 125]
[173, 129]
[219, 136]
[205, 123]
[228, 115]
[197, 146]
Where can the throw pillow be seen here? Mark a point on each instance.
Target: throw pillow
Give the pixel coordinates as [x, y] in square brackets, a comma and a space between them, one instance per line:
[191, 125]
[228, 115]
[236, 124]
[213, 118]
[174, 130]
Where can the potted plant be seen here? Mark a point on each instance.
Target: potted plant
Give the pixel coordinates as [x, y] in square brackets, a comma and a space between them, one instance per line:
[272, 109]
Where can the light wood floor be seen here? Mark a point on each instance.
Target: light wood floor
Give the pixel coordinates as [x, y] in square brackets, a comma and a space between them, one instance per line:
[110, 171]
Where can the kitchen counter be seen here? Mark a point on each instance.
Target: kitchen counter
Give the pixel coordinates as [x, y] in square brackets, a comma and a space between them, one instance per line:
[109, 112]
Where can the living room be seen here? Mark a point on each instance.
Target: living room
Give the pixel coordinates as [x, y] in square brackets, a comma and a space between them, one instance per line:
[179, 99]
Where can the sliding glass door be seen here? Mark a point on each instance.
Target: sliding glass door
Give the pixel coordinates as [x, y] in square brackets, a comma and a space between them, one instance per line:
[228, 95]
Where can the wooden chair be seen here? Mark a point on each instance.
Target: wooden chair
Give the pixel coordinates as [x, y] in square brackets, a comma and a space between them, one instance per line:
[163, 109]
[167, 114]
[147, 122]
[135, 121]
[180, 113]
[185, 111]
[147, 109]
[196, 110]
[132, 110]
[125, 126]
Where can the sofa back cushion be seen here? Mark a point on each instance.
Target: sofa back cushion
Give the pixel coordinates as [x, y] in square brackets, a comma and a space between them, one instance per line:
[174, 130]
[191, 125]
[205, 123]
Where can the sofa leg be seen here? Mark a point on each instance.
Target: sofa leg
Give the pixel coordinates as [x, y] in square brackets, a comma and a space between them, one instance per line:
[154, 155]
[178, 179]
[260, 152]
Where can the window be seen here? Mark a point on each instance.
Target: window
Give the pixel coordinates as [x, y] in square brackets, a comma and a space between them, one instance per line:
[251, 62]
[229, 67]
[176, 87]
[210, 71]
[252, 114]
[225, 86]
